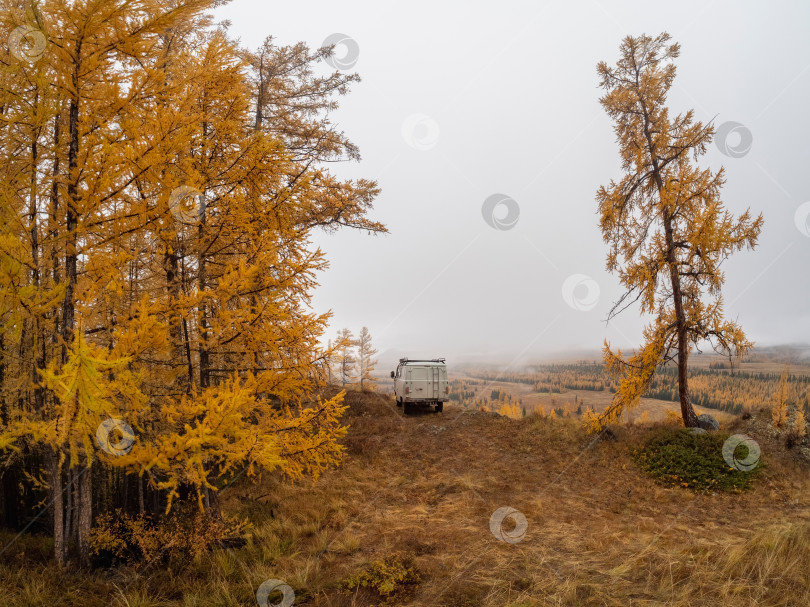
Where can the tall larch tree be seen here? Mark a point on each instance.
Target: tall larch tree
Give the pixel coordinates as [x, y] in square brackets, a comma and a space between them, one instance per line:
[667, 229]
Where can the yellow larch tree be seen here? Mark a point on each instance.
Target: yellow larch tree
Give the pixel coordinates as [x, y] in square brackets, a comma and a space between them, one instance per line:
[366, 361]
[779, 407]
[345, 359]
[159, 187]
[667, 229]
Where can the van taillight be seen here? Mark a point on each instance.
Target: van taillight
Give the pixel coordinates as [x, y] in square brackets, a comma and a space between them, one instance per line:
[407, 390]
[447, 389]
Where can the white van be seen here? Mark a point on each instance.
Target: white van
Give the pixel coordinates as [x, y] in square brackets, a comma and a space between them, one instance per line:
[421, 382]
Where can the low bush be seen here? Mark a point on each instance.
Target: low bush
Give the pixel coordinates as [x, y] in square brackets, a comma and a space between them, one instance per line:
[123, 538]
[680, 457]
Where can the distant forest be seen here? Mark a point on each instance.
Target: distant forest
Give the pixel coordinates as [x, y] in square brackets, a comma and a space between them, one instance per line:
[717, 387]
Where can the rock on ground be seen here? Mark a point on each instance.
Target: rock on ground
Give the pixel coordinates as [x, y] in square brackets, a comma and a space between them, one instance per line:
[707, 422]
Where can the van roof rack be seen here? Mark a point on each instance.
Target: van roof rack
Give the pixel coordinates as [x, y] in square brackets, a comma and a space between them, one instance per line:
[422, 360]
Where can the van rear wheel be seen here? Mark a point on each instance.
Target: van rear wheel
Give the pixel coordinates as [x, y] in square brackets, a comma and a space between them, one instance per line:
[439, 407]
[406, 408]
[399, 403]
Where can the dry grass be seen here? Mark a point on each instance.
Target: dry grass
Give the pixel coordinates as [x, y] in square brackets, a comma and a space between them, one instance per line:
[424, 487]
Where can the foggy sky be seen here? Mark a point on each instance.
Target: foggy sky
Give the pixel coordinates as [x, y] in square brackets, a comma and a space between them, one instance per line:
[463, 100]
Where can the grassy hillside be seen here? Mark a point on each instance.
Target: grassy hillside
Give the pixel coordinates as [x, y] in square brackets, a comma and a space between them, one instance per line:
[406, 521]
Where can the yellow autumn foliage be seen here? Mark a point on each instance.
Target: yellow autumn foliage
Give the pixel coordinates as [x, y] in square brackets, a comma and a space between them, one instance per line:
[665, 225]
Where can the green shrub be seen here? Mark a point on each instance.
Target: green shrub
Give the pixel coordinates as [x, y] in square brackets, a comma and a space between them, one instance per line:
[678, 457]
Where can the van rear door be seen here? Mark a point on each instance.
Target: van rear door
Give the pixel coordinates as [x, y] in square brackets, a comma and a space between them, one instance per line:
[419, 382]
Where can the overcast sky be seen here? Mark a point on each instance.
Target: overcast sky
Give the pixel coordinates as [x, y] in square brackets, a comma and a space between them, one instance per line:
[461, 101]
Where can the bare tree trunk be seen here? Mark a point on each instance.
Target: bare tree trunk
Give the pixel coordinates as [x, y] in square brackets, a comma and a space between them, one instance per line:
[38, 351]
[10, 488]
[69, 515]
[141, 507]
[260, 93]
[71, 221]
[189, 363]
[54, 210]
[55, 482]
[71, 242]
[178, 328]
[202, 279]
[329, 363]
[687, 411]
[85, 509]
[212, 506]
[3, 405]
